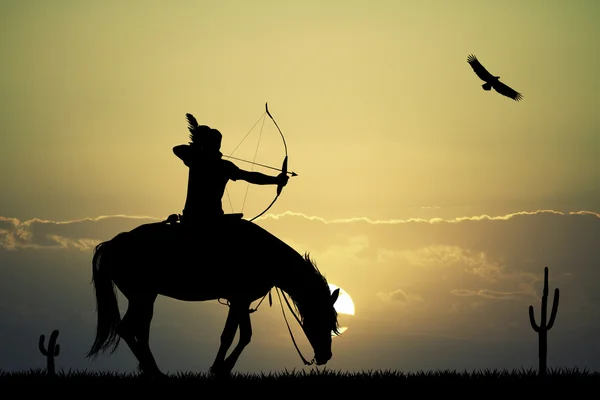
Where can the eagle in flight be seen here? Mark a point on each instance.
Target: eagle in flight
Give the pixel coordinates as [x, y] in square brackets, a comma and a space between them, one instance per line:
[492, 81]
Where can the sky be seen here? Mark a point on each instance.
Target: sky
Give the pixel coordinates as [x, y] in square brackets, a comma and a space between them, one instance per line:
[434, 204]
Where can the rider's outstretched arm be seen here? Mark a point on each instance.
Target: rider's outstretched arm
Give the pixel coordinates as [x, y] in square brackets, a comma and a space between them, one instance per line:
[257, 178]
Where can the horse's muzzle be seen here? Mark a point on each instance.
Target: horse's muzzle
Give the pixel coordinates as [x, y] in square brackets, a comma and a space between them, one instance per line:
[322, 359]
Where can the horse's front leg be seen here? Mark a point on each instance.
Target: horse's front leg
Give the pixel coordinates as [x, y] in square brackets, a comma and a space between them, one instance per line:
[226, 340]
[245, 337]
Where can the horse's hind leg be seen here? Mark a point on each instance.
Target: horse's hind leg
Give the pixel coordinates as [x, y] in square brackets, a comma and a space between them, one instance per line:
[126, 331]
[143, 340]
[135, 330]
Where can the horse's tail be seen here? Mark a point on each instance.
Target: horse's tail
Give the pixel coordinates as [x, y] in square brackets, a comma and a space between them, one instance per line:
[107, 307]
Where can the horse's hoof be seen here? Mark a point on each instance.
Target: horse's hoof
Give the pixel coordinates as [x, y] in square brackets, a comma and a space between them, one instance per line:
[219, 372]
[153, 375]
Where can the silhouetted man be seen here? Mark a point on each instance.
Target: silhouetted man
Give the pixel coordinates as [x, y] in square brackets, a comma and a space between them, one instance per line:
[209, 174]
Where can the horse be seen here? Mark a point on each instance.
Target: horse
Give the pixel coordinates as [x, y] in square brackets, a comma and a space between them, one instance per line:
[235, 260]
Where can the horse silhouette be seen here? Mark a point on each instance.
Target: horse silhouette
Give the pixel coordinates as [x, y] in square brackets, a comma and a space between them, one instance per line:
[237, 260]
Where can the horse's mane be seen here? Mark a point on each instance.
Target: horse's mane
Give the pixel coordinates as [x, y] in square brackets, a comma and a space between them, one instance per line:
[322, 280]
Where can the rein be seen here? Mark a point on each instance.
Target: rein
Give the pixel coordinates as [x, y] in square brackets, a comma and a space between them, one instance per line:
[306, 362]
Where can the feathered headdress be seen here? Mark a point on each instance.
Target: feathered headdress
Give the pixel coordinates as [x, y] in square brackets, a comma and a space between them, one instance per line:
[192, 126]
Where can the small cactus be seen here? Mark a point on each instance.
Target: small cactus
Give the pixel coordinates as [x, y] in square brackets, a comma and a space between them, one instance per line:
[543, 328]
[53, 351]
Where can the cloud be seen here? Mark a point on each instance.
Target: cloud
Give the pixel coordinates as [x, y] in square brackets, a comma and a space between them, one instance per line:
[85, 233]
[81, 234]
[423, 220]
[488, 294]
[400, 296]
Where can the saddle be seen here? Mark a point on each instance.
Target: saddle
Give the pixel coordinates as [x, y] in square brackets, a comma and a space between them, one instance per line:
[175, 228]
[175, 219]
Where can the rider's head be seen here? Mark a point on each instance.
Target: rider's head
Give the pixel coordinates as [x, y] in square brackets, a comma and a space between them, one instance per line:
[212, 140]
[207, 138]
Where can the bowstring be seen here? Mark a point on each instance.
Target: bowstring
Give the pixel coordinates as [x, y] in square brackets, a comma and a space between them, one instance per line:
[255, 152]
[254, 160]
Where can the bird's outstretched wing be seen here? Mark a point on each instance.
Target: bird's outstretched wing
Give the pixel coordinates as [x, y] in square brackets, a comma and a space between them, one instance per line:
[479, 69]
[507, 91]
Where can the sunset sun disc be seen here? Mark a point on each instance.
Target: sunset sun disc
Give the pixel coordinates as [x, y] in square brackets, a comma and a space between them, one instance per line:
[344, 303]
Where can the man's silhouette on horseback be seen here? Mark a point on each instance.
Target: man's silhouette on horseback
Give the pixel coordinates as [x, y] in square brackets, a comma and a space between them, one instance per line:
[209, 174]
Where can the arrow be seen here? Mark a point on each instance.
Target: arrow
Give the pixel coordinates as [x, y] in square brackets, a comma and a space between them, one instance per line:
[292, 173]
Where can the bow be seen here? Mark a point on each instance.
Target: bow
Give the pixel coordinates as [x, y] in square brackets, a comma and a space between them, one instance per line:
[283, 167]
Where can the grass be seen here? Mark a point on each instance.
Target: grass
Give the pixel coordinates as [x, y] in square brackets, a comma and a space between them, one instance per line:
[324, 378]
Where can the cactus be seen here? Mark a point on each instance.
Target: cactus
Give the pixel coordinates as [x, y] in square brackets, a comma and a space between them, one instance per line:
[543, 328]
[53, 351]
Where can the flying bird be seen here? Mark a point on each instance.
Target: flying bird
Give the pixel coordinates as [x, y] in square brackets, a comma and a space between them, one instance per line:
[492, 81]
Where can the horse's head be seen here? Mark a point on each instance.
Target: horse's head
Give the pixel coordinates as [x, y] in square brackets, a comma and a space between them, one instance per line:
[319, 323]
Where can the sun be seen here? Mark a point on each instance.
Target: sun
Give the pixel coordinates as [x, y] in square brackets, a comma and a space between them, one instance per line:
[344, 303]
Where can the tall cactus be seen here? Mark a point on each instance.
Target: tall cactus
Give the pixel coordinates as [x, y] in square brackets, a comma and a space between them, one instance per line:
[53, 351]
[543, 328]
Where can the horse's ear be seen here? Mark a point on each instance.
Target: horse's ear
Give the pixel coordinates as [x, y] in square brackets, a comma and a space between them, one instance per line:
[335, 295]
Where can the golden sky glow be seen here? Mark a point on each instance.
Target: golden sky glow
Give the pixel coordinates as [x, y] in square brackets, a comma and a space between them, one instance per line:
[380, 110]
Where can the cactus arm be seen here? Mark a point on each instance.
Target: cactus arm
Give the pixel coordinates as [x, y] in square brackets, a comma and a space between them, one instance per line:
[52, 342]
[41, 345]
[532, 320]
[554, 309]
